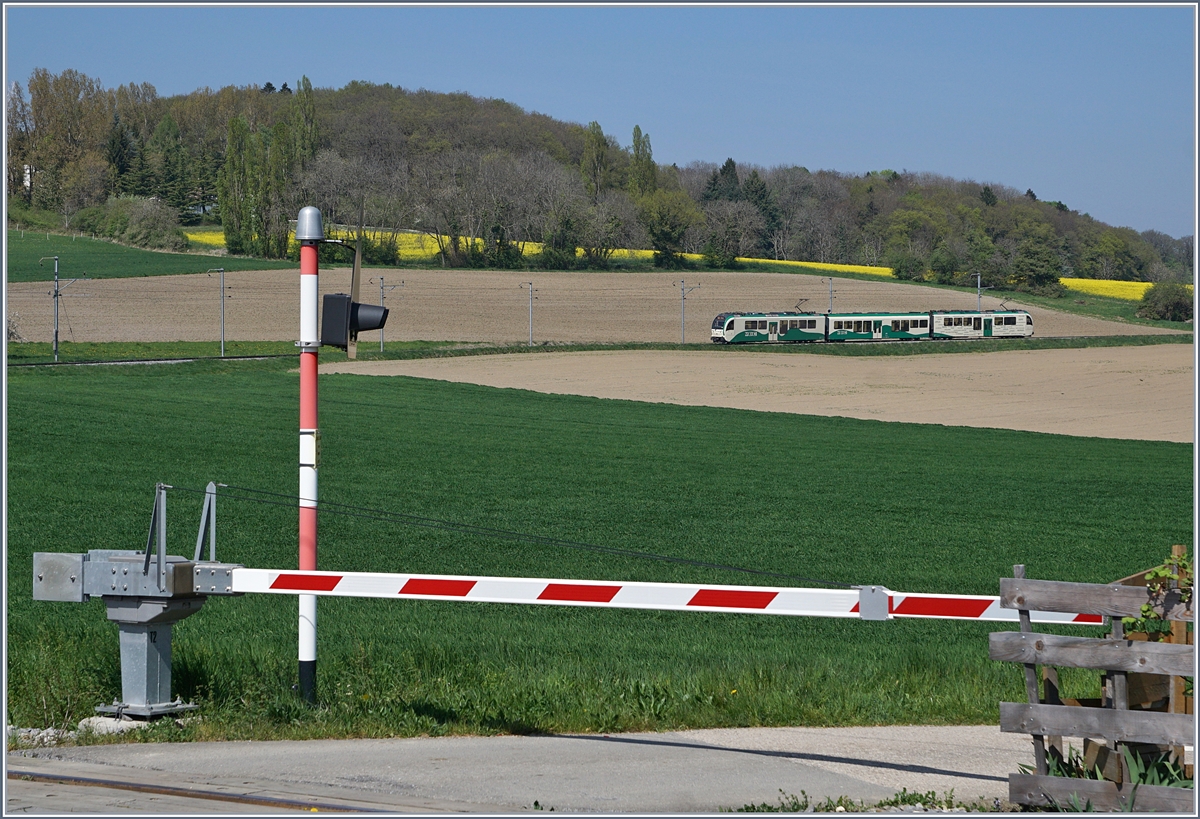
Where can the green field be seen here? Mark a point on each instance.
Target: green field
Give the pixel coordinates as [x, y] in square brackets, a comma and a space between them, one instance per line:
[916, 508]
[98, 259]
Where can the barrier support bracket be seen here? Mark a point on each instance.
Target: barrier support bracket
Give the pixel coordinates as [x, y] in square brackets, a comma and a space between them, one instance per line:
[874, 603]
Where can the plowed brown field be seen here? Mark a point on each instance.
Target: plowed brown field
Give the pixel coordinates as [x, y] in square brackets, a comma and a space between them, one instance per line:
[482, 306]
[1127, 392]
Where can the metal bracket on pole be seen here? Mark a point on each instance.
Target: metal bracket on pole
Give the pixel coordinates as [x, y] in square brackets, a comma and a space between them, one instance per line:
[208, 520]
[158, 526]
[874, 603]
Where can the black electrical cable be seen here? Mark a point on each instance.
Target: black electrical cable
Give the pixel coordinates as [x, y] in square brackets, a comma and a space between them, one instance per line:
[485, 531]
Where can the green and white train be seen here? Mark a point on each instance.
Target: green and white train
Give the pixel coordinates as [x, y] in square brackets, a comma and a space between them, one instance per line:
[750, 328]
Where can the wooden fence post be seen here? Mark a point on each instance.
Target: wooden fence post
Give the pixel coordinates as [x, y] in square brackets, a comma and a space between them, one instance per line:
[1179, 703]
[1031, 682]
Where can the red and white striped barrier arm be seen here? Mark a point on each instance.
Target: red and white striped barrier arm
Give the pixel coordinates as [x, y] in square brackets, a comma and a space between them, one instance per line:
[622, 595]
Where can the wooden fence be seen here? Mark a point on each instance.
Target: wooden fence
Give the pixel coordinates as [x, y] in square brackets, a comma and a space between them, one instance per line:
[1142, 704]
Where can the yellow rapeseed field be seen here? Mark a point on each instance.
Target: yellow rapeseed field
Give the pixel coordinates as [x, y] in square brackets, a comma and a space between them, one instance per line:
[206, 238]
[1130, 291]
[836, 268]
[419, 247]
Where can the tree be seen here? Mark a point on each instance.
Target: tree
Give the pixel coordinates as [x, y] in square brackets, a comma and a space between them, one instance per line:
[667, 215]
[71, 116]
[724, 184]
[944, 264]
[119, 153]
[303, 120]
[268, 89]
[19, 131]
[907, 265]
[140, 179]
[1036, 264]
[274, 200]
[734, 229]
[1030, 194]
[169, 164]
[596, 164]
[283, 89]
[234, 190]
[988, 196]
[1167, 301]
[643, 173]
[759, 196]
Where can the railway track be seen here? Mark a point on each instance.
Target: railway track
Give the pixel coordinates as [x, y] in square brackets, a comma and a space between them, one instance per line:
[187, 792]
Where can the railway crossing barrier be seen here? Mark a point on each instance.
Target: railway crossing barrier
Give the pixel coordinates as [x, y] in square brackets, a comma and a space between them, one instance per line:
[146, 592]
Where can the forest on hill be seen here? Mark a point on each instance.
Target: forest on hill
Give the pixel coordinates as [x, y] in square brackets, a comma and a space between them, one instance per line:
[483, 177]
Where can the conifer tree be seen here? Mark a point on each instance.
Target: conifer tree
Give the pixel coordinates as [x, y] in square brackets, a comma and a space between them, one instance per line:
[724, 184]
[756, 192]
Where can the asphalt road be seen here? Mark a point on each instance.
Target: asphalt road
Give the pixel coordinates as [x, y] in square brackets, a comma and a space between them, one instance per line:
[703, 771]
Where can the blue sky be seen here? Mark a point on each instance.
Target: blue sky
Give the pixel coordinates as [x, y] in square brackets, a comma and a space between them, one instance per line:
[1093, 106]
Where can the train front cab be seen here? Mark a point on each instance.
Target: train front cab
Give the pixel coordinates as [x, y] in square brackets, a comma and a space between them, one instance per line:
[740, 328]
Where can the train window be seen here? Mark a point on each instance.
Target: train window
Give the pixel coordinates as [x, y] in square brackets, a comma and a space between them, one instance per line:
[925, 323]
[904, 325]
[1010, 320]
[958, 321]
[895, 326]
[762, 325]
[837, 325]
[978, 323]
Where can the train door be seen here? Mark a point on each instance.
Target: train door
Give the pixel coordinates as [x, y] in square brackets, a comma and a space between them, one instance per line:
[987, 328]
[773, 331]
[877, 328]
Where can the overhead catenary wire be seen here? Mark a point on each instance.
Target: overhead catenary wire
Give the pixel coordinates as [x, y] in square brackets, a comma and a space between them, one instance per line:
[367, 513]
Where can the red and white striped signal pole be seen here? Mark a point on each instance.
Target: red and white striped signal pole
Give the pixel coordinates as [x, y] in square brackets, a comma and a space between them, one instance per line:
[309, 233]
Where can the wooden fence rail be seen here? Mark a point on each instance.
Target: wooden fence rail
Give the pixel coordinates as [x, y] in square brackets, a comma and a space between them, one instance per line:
[1090, 652]
[1134, 666]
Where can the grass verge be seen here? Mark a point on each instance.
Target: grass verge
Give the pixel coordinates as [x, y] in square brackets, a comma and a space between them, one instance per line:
[30, 353]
